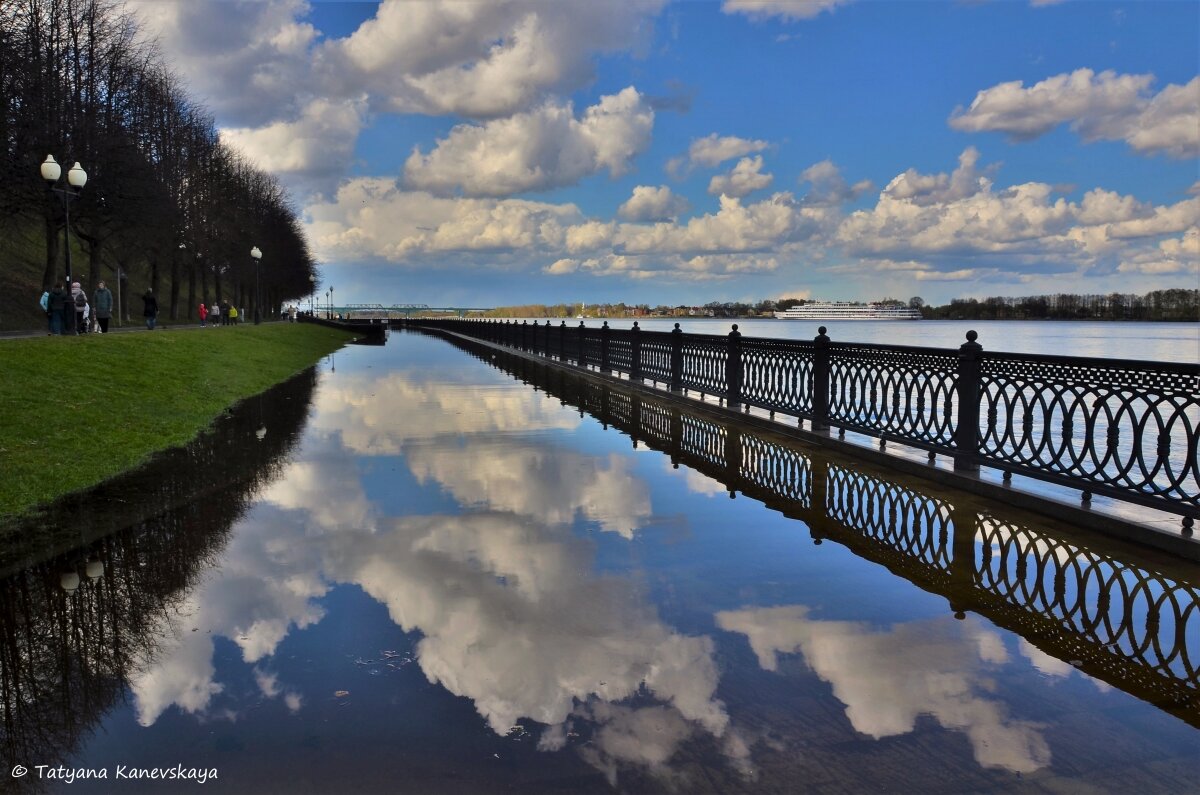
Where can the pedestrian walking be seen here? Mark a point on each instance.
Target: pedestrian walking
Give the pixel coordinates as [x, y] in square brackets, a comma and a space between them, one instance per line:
[102, 304]
[79, 299]
[44, 303]
[203, 312]
[57, 303]
[150, 308]
[233, 315]
[215, 313]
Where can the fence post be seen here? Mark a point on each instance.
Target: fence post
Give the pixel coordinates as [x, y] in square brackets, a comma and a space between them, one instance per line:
[733, 460]
[676, 359]
[604, 348]
[966, 435]
[635, 353]
[582, 346]
[820, 381]
[562, 342]
[733, 370]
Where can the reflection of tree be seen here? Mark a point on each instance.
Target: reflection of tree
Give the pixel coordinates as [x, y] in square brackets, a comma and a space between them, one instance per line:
[1125, 620]
[65, 657]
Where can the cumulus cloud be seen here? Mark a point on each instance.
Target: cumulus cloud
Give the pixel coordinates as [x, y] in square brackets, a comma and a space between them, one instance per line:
[927, 189]
[245, 62]
[785, 9]
[550, 484]
[745, 178]
[653, 204]
[713, 150]
[373, 218]
[482, 60]
[1105, 106]
[538, 150]
[888, 678]
[829, 187]
[316, 148]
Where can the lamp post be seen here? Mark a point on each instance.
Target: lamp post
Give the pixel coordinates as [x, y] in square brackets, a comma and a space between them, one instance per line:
[328, 305]
[254, 252]
[76, 179]
[331, 302]
[312, 293]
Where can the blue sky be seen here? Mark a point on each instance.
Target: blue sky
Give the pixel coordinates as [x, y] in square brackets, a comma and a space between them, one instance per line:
[521, 151]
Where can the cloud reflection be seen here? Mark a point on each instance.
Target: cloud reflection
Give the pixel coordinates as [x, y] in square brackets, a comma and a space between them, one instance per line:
[887, 678]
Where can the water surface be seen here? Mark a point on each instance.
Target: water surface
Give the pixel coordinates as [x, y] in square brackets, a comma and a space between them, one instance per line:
[458, 572]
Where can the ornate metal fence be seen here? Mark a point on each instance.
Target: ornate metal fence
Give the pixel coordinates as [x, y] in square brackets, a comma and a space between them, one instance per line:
[1125, 429]
[1114, 616]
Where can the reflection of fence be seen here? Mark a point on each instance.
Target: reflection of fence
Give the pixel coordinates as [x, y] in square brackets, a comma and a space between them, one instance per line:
[1125, 429]
[1114, 618]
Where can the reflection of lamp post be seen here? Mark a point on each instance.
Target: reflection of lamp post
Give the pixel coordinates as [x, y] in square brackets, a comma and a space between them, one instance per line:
[254, 252]
[76, 179]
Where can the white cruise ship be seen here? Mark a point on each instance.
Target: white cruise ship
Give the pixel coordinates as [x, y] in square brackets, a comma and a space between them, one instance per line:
[845, 310]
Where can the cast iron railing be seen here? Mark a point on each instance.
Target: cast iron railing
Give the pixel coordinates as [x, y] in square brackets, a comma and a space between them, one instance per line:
[1121, 428]
[1112, 615]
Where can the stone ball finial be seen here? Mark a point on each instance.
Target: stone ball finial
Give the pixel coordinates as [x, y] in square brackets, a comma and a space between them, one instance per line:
[821, 329]
[972, 335]
[735, 326]
[676, 325]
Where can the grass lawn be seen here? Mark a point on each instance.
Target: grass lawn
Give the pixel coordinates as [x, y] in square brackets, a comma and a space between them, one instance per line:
[77, 410]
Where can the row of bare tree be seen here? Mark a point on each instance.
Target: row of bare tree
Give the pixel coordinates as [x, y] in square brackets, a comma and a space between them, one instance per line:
[166, 205]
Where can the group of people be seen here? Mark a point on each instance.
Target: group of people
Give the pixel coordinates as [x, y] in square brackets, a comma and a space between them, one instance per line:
[63, 305]
[221, 313]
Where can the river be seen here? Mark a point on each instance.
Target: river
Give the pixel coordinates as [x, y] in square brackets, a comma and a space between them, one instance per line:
[1163, 342]
[429, 569]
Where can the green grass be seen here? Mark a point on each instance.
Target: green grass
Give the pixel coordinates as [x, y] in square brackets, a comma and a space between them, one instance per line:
[77, 410]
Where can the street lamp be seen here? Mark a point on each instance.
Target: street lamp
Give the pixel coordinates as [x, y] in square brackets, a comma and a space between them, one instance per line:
[331, 302]
[76, 179]
[312, 294]
[328, 306]
[254, 252]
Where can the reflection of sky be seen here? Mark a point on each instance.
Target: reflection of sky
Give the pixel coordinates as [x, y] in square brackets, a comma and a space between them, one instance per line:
[888, 678]
[481, 548]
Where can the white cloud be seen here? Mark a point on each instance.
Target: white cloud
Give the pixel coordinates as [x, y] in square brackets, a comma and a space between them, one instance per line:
[1105, 106]
[746, 177]
[372, 218]
[538, 150]
[713, 150]
[549, 484]
[888, 678]
[653, 204]
[927, 189]
[316, 148]
[785, 9]
[250, 62]
[759, 227]
[482, 60]
[829, 187]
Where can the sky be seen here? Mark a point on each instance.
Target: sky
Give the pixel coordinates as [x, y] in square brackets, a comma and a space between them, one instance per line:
[544, 151]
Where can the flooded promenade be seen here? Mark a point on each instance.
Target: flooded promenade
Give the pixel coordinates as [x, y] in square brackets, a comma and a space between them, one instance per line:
[430, 567]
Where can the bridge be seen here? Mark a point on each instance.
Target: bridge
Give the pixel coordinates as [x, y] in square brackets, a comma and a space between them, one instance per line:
[396, 311]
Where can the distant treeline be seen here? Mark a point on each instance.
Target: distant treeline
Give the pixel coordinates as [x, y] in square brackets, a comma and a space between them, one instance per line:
[166, 204]
[1157, 305]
